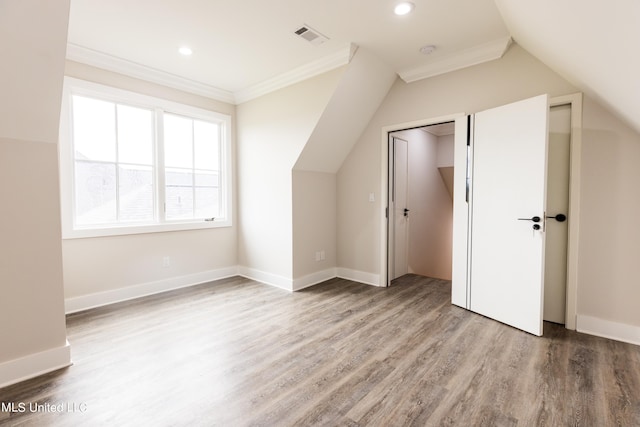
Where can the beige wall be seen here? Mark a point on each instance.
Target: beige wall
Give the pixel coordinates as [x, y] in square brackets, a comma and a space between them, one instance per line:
[107, 263]
[103, 264]
[609, 248]
[445, 151]
[31, 306]
[33, 45]
[314, 222]
[272, 131]
[33, 48]
[358, 94]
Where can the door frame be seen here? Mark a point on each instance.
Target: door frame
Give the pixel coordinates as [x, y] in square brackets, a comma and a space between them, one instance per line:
[573, 215]
[384, 185]
[575, 100]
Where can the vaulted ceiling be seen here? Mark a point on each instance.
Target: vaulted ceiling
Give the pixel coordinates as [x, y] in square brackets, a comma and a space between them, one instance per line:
[593, 44]
[244, 48]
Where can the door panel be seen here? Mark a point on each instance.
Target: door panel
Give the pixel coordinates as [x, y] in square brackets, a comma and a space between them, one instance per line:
[508, 183]
[401, 219]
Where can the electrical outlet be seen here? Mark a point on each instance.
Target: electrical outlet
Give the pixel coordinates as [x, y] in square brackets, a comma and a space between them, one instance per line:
[322, 255]
[318, 256]
[166, 262]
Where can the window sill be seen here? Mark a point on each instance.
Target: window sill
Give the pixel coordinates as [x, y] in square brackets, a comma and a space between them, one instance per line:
[82, 233]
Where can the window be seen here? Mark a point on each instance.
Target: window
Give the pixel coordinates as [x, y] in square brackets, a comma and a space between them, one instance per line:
[133, 164]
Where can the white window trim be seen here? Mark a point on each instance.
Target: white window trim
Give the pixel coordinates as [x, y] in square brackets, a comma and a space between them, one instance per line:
[73, 86]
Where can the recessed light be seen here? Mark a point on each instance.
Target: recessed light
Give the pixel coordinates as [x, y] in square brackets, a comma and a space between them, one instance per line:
[185, 50]
[403, 8]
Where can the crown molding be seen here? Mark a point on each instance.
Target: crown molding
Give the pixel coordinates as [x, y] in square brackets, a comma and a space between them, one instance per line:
[129, 68]
[456, 61]
[322, 65]
[122, 66]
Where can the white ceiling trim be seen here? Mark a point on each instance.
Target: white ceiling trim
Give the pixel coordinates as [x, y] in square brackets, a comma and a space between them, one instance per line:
[122, 66]
[322, 65]
[458, 60]
[111, 63]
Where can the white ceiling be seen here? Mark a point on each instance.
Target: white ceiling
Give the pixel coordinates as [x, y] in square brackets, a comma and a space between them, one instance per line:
[245, 48]
[240, 44]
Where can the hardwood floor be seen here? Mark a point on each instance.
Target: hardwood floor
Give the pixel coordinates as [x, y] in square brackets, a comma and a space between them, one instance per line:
[239, 353]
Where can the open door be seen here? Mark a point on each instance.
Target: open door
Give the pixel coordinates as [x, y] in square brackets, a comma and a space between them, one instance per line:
[399, 214]
[507, 213]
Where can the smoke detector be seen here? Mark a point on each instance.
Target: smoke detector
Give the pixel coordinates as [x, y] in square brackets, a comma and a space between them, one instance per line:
[426, 50]
[309, 34]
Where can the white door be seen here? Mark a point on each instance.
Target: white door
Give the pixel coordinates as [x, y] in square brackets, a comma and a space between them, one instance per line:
[555, 275]
[400, 210]
[507, 213]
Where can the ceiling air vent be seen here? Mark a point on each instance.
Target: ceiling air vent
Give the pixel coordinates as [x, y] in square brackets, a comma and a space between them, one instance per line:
[310, 35]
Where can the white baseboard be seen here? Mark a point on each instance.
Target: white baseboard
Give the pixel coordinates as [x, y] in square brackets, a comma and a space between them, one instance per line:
[314, 278]
[309, 280]
[99, 299]
[608, 329]
[85, 302]
[266, 278]
[359, 276]
[33, 365]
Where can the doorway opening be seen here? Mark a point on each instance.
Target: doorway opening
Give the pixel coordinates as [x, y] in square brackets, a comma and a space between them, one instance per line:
[420, 201]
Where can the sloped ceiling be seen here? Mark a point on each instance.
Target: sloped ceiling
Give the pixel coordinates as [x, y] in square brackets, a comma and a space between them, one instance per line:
[360, 92]
[593, 44]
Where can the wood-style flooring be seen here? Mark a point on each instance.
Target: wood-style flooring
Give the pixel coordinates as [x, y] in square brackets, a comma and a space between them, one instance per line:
[239, 353]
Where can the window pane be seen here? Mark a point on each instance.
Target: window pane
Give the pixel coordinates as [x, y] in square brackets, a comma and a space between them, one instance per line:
[207, 145]
[136, 193]
[207, 179]
[135, 135]
[179, 194]
[94, 129]
[207, 194]
[178, 141]
[95, 193]
[119, 156]
[207, 202]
